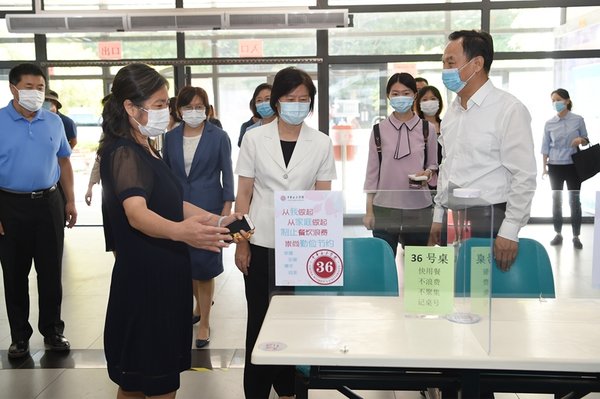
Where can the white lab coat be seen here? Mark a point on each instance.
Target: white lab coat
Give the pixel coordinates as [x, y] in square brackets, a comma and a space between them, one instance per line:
[261, 158]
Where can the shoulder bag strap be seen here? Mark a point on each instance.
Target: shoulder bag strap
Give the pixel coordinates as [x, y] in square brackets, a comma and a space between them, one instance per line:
[425, 139]
[377, 138]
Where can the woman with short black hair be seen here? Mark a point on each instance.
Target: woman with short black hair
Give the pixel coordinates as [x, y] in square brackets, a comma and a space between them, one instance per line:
[283, 155]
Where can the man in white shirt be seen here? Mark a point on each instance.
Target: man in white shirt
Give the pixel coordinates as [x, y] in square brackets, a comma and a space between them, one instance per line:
[487, 146]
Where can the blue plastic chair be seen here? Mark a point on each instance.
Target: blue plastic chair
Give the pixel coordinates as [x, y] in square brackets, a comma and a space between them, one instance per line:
[530, 276]
[369, 269]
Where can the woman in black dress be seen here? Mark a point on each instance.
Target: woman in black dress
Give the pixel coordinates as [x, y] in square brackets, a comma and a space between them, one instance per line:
[147, 335]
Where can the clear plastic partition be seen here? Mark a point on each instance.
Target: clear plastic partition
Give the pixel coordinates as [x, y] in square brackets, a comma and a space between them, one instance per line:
[458, 281]
[439, 272]
[471, 223]
[553, 286]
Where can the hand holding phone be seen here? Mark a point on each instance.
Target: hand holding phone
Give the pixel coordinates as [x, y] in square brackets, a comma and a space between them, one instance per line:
[238, 225]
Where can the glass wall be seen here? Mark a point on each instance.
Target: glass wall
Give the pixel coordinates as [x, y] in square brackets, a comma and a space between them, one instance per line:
[15, 46]
[547, 29]
[357, 100]
[401, 32]
[251, 44]
[254, 3]
[395, 2]
[386, 37]
[15, 5]
[131, 4]
[90, 5]
[115, 46]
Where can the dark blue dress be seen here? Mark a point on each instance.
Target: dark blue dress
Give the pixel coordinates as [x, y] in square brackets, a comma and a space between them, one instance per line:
[148, 333]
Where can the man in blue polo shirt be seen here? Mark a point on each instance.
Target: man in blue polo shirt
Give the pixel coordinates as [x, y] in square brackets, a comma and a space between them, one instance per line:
[34, 155]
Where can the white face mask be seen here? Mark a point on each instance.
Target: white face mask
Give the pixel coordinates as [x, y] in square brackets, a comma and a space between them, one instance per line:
[430, 107]
[158, 120]
[31, 100]
[193, 117]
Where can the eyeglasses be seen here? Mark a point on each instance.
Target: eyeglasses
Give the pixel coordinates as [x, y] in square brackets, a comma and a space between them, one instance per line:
[155, 108]
[192, 108]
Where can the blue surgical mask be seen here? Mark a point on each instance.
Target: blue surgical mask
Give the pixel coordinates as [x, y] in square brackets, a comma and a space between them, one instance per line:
[401, 104]
[294, 113]
[264, 110]
[559, 106]
[452, 80]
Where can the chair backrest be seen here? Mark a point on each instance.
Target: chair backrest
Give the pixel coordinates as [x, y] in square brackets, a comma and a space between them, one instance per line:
[529, 277]
[369, 269]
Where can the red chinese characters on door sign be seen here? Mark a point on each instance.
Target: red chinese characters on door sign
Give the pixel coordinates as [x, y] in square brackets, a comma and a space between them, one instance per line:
[110, 51]
[251, 48]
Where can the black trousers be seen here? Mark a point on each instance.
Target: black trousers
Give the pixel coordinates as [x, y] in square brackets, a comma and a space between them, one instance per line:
[486, 220]
[404, 226]
[260, 285]
[33, 230]
[559, 174]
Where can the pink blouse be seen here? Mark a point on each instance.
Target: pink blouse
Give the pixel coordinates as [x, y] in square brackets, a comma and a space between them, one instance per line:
[403, 153]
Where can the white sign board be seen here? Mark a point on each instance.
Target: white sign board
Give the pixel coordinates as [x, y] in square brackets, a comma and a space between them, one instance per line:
[309, 240]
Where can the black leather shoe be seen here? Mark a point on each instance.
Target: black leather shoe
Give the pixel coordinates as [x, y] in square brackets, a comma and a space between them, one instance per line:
[577, 243]
[18, 349]
[195, 318]
[57, 342]
[557, 240]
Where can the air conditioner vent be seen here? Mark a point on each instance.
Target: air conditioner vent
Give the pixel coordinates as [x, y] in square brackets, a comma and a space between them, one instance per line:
[96, 24]
[25, 24]
[244, 21]
[199, 22]
[152, 22]
[314, 20]
[174, 20]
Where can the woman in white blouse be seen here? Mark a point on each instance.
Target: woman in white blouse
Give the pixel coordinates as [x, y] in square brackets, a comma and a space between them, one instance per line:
[283, 155]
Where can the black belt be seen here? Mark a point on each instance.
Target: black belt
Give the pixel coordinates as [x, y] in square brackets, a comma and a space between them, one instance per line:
[31, 195]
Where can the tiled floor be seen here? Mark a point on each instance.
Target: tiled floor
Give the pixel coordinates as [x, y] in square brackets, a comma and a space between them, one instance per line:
[217, 371]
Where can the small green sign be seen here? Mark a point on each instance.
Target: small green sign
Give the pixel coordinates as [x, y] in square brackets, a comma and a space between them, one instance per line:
[429, 280]
[481, 270]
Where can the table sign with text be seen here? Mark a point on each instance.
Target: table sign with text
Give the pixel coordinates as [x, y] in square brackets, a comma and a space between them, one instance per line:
[428, 280]
[309, 240]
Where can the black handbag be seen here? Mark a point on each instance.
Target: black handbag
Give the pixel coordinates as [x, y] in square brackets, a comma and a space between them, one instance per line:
[587, 161]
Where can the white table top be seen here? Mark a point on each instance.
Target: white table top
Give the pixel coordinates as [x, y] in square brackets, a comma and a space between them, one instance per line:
[527, 334]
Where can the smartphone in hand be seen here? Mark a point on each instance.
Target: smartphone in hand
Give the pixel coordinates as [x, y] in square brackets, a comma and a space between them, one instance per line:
[240, 224]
